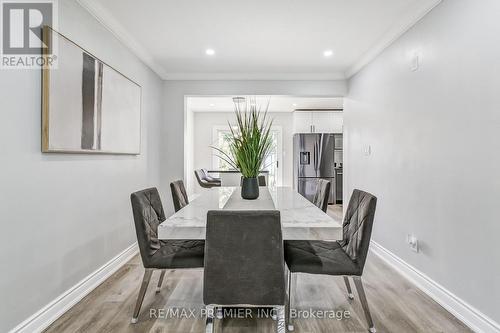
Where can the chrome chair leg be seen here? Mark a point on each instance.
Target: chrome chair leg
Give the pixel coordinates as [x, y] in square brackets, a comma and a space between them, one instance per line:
[348, 286]
[289, 303]
[144, 286]
[209, 323]
[362, 296]
[280, 327]
[160, 281]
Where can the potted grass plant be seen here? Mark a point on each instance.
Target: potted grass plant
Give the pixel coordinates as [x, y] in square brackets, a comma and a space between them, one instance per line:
[249, 145]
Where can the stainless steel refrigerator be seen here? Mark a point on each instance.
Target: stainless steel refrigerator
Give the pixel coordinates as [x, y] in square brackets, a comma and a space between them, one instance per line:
[313, 155]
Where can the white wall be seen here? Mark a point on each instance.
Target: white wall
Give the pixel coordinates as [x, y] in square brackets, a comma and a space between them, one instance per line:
[435, 158]
[204, 122]
[64, 216]
[174, 122]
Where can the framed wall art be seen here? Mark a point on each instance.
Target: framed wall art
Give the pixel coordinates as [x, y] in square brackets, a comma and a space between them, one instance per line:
[87, 106]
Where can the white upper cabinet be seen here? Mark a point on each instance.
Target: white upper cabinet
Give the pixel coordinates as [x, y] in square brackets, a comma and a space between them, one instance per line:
[317, 122]
[302, 122]
[328, 122]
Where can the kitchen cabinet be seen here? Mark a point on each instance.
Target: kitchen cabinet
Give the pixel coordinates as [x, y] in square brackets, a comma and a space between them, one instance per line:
[302, 122]
[317, 122]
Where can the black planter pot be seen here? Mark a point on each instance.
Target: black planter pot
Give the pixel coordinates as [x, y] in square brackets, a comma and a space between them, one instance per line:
[250, 188]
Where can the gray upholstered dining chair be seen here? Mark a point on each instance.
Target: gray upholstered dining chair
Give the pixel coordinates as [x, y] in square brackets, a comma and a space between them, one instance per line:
[244, 263]
[322, 195]
[179, 195]
[205, 180]
[209, 177]
[346, 257]
[159, 254]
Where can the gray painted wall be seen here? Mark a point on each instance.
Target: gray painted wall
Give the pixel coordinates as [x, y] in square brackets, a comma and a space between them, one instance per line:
[435, 148]
[174, 116]
[64, 216]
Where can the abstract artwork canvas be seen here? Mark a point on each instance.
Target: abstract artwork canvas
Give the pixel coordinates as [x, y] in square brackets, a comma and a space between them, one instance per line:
[87, 106]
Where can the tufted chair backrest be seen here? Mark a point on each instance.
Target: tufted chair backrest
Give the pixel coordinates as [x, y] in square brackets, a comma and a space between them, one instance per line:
[179, 195]
[357, 227]
[148, 214]
[322, 195]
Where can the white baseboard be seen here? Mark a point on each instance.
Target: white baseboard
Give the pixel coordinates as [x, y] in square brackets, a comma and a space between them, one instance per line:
[470, 316]
[49, 313]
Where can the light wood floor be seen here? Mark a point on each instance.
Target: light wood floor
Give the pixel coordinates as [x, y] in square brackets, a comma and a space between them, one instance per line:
[396, 305]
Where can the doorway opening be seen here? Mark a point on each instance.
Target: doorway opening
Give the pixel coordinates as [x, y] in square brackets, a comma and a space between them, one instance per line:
[207, 125]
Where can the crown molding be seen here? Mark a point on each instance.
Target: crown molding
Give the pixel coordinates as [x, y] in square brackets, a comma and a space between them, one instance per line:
[256, 76]
[398, 29]
[104, 17]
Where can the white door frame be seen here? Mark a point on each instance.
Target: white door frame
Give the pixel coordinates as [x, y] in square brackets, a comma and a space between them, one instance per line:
[279, 154]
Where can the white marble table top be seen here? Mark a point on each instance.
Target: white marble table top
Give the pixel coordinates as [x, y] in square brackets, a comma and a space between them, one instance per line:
[300, 219]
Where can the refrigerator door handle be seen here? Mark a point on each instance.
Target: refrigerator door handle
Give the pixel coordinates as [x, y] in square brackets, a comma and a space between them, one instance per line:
[320, 151]
[315, 155]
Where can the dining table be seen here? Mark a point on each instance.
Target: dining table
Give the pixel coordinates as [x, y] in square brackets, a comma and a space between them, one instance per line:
[300, 219]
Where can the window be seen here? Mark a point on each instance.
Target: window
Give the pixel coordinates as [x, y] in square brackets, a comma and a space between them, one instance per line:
[222, 142]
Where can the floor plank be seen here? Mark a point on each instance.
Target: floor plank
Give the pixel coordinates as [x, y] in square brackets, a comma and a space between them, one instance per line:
[396, 305]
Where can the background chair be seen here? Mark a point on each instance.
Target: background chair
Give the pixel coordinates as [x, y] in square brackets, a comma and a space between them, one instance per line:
[205, 180]
[244, 263]
[322, 195]
[210, 178]
[179, 195]
[159, 254]
[346, 257]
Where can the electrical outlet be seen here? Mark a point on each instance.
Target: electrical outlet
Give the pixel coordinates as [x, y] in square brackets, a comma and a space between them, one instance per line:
[412, 242]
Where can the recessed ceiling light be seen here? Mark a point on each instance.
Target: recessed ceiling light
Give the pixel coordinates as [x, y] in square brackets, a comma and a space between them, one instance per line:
[328, 53]
[210, 51]
[211, 105]
[294, 105]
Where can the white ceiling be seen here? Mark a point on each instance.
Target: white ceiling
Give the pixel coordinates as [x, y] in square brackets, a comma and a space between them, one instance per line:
[276, 103]
[258, 39]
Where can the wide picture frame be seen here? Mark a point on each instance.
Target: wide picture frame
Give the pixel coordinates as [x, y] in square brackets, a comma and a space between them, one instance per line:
[88, 107]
